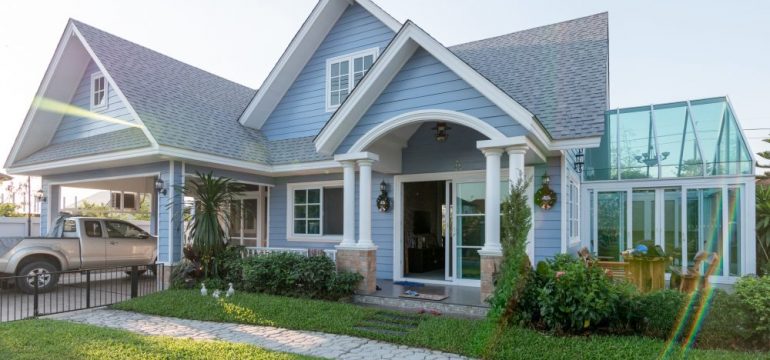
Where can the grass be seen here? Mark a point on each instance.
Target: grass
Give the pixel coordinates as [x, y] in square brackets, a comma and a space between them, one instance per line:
[470, 337]
[51, 339]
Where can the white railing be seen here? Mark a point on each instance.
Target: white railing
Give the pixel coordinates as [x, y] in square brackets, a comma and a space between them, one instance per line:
[259, 250]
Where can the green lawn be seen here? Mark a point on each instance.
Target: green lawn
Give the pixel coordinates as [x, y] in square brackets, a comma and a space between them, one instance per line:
[475, 338]
[51, 339]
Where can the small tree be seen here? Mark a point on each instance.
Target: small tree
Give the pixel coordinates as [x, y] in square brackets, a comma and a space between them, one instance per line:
[765, 155]
[208, 226]
[511, 279]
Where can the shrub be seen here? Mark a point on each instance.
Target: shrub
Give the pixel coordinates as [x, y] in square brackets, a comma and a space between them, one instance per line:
[754, 292]
[229, 265]
[296, 275]
[657, 312]
[568, 296]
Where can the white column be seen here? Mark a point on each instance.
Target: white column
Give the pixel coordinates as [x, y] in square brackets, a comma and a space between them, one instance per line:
[515, 163]
[348, 204]
[492, 204]
[365, 204]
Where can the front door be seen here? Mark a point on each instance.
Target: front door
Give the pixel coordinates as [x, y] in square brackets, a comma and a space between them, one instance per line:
[426, 230]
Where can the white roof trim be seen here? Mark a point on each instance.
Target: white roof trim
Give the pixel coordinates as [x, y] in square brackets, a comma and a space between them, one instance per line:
[387, 66]
[116, 88]
[313, 31]
[70, 32]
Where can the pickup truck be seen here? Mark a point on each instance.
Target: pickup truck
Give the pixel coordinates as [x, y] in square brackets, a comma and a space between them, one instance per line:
[74, 243]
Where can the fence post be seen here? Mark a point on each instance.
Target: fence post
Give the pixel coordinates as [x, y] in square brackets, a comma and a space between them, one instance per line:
[35, 306]
[134, 281]
[88, 289]
[163, 277]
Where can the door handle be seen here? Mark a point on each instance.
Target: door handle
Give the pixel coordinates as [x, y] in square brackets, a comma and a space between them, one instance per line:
[113, 242]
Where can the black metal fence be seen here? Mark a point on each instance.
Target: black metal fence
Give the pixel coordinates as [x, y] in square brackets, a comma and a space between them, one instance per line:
[78, 289]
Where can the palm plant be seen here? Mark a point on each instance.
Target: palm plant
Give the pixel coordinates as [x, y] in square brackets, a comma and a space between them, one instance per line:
[215, 198]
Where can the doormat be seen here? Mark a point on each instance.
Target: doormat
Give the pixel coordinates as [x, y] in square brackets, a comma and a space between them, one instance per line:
[408, 283]
[432, 297]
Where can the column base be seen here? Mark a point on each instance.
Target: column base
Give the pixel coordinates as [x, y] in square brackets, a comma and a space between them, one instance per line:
[362, 261]
[490, 265]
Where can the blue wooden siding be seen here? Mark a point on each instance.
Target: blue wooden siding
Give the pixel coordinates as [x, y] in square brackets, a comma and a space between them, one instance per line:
[382, 223]
[424, 154]
[76, 127]
[302, 111]
[425, 83]
[548, 222]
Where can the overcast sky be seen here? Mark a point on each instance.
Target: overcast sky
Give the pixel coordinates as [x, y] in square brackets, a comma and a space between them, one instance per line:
[660, 51]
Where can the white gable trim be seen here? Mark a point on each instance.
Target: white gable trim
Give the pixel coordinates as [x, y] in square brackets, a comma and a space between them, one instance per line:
[313, 31]
[41, 91]
[45, 138]
[390, 62]
[113, 85]
[421, 116]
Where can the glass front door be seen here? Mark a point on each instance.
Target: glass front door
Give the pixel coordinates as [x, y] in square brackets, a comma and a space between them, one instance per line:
[245, 225]
[469, 229]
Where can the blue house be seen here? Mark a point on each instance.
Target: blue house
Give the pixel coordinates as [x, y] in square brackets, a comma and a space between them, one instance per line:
[360, 107]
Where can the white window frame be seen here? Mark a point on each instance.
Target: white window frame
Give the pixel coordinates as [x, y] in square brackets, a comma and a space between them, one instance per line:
[122, 195]
[290, 188]
[105, 98]
[573, 209]
[375, 52]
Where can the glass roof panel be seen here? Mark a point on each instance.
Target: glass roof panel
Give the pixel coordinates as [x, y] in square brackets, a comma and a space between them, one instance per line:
[678, 149]
[637, 151]
[683, 139]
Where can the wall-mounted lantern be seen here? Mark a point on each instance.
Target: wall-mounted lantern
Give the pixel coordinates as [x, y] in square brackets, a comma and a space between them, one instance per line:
[383, 202]
[40, 196]
[579, 162]
[160, 186]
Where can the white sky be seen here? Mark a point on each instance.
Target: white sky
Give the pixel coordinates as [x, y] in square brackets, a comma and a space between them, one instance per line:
[660, 50]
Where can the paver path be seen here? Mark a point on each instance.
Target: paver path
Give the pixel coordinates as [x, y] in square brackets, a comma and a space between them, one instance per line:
[292, 341]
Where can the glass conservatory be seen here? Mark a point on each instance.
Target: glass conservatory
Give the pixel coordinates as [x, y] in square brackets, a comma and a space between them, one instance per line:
[680, 175]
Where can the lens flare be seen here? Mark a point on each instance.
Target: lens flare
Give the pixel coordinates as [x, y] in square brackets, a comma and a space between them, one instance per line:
[59, 107]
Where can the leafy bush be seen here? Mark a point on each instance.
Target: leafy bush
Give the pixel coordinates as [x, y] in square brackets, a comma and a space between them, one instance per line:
[296, 275]
[229, 265]
[657, 312]
[568, 296]
[755, 293]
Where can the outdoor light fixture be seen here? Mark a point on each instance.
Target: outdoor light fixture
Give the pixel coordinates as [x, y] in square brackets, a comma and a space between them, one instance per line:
[441, 131]
[546, 179]
[651, 161]
[579, 161]
[383, 203]
[159, 188]
[40, 196]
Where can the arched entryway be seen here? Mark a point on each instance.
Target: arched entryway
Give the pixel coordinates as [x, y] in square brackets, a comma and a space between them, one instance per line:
[382, 147]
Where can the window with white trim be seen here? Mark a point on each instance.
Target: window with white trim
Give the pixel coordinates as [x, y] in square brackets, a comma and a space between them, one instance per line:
[315, 211]
[98, 91]
[573, 209]
[343, 73]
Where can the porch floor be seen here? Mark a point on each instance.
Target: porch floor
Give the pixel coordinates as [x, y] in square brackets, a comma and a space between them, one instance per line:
[461, 300]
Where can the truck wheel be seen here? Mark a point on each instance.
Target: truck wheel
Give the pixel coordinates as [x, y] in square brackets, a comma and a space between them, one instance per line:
[47, 277]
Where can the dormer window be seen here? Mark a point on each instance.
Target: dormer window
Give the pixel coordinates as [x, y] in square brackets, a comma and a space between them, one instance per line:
[98, 91]
[343, 73]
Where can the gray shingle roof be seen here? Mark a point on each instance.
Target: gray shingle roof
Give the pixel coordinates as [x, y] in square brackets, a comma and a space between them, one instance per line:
[559, 72]
[126, 139]
[182, 106]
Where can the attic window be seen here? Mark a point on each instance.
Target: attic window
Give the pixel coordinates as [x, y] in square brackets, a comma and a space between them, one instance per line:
[98, 91]
[343, 73]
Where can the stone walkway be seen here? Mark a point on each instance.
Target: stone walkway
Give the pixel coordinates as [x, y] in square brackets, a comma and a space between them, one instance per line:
[291, 341]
